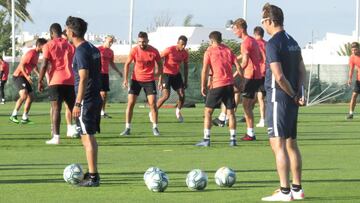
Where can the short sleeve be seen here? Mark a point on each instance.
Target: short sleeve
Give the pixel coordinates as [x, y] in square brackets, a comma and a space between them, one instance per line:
[157, 55]
[82, 60]
[46, 51]
[245, 47]
[207, 58]
[166, 52]
[272, 53]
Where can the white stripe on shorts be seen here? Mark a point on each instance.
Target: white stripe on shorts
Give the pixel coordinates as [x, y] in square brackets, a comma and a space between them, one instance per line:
[275, 126]
[82, 125]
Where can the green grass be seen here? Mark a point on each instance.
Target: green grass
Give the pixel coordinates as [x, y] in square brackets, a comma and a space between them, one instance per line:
[32, 171]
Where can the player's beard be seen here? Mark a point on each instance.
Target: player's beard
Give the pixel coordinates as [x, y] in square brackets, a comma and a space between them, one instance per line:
[143, 46]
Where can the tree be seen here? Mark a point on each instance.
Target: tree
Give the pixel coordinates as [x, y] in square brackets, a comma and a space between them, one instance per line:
[5, 32]
[20, 9]
[345, 50]
[187, 21]
[162, 20]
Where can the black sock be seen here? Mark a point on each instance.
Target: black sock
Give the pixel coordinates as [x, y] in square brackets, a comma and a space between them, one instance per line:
[296, 188]
[285, 190]
[94, 176]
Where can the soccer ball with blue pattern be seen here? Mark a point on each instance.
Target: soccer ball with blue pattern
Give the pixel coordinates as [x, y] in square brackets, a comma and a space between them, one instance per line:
[157, 181]
[225, 177]
[196, 180]
[149, 171]
[73, 174]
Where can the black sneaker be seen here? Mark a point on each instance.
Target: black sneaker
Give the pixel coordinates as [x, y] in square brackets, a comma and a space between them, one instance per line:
[242, 119]
[126, 132]
[90, 181]
[218, 122]
[106, 116]
[350, 116]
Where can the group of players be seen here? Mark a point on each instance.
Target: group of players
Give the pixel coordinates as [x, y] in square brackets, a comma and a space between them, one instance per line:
[77, 73]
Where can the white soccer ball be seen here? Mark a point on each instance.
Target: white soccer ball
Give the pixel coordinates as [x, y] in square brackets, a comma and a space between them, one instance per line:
[149, 171]
[196, 180]
[157, 181]
[73, 132]
[73, 174]
[225, 177]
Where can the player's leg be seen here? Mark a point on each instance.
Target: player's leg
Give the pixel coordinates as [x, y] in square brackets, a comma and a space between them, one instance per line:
[178, 85]
[91, 152]
[278, 146]
[261, 101]
[352, 105]
[104, 98]
[69, 98]
[295, 167]
[2, 91]
[105, 88]
[56, 100]
[165, 94]
[248, 103]
[23, 94]
[150, 91]
[229, 102]
[27, 106]
[134, 91]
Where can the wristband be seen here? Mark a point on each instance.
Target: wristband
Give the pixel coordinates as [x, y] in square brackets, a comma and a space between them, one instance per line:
[78, 104]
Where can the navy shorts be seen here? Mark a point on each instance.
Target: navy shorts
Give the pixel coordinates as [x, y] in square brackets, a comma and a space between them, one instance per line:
[89, 120]
[105, 84]
[173, 81]
[223, 94]
[357, 87]
[282, 118]
[22, 84]
[136, 86]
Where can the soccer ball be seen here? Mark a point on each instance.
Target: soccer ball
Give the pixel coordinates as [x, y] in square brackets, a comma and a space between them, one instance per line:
[149, 171]
[196, 179]
[157, 181]
[225, 177]
[73, 174]
[73, 132]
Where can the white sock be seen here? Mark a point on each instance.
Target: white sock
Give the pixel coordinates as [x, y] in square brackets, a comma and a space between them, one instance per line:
[262, 120]
[25, 116]
[14, 113]
[206, 134]
[222, 116]
[232, 134]
[56, 137]
[351, 112]
[128, 125]
[250, 132]
[177, 111]
[155, 125]
[102, 112]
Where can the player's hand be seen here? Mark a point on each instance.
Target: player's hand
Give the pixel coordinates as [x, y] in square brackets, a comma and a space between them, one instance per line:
[160, 85]
[203, 91]
[349, 83]
[76, 112]
[40, 86]
[302, 101]
[125, 84]
[29, 80]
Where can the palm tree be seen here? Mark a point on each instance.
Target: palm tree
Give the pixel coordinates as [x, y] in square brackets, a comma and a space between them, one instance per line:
[20, 8]
[188, 21]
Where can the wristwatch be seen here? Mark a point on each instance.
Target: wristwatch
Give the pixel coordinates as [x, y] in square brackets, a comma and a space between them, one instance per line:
[78, 104]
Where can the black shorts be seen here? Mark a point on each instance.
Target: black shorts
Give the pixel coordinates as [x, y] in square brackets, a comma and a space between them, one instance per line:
[173, 81]
[2, 83]
[237, 84]
[89, 120]
[63, 93]
[22, 84]
[251, 86]
[105, 86]
[357, 87]
[262, 87]
[282, 118]
[149, 87]
[223, 94]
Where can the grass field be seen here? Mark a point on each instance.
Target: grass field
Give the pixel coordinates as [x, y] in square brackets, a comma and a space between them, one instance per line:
[31, 171]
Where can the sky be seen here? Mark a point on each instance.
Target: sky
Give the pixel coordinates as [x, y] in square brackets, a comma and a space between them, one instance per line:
[305, 20]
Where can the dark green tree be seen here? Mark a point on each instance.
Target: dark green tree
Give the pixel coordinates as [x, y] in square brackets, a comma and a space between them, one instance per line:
[5, 33]
[20, 9]
[345, 50]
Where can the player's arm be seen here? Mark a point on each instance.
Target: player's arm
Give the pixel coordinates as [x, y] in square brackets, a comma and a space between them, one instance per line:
[83, 78]
[301, 83]
[204, 75]
[351, 72]
[160, 72]
[126, 71]
[244, 60]
[113, 66]
[42, 73]
[281, 80]
[22, 70]
[1, 71]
